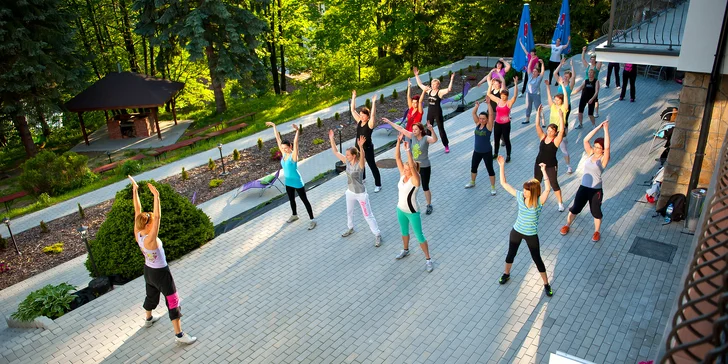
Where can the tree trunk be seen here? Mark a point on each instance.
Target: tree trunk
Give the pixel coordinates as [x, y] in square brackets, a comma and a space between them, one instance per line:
[220, 106]
[43, 122]
[381, 53]
[21, 125]
[280, 38]
[128, 41]
[146, 64]
[272, 51]
[87, 45]
[358, 63]
[97, 31]
[151, 59]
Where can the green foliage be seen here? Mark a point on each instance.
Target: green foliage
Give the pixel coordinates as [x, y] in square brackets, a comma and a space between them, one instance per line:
[441, 78]
[43, 227]
[44, 199]
[449, 73]
[215, 182]
[81, 213]
[183, 228]
[477, 65]
[394, 94]
[319, 123]
[50, 301]
[260, 144]
[185, 175]
[130, 153]
[130, 168]
[368, 104]
[300, 129]
[381, 98]
[337, 116]
[470, 68]
[460, 72]
[275, 153]
[236, 155]
[318, 141]
[54, 175]
[3, 243]
[211, 165]
[56, 248]
[392, 110]
[386, 69]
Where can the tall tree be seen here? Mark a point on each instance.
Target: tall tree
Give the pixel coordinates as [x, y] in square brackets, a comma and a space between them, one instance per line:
[38, 60]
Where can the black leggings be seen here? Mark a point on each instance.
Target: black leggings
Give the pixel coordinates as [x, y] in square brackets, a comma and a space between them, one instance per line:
[551, 172]
[615, 67]
[425, 177]
[502, 131]
[533, 247]
[487, 159]
[630, 76]
[552, 67]
[591, 195]
[369, 156]
[525, 81]
[434, 117]
[159, 280]
[302, 194]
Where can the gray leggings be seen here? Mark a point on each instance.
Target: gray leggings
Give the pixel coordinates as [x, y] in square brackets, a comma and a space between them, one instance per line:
[532, 101]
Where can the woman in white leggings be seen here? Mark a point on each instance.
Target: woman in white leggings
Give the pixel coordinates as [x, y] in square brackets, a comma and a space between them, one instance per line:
[356, 194]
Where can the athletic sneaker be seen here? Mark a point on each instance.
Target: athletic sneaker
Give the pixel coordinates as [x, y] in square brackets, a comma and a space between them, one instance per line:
[495, 156]
[596, 114]
[508, 159]
[607, 86]
[429, 210]
[470, 184]
[428, 265]
[185, 339]
[521, 95]
[561, 207]
[149, 323]
[548, 290]
[631, 100]
[564, 229]
[402, 254]
[569, 170]
[619, 86]
[525, 122]
[378, 241]
[377, 189]
[447, 149]
[292, 218]
[312, 224]
[596, 237]
[347, 232]
[621, 99]
[504, 278]
[578, 126]
[492, 190]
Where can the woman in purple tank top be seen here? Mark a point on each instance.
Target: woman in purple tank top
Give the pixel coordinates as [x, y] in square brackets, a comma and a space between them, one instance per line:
[157, 276]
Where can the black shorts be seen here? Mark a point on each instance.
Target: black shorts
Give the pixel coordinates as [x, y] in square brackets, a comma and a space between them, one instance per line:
[585, 102]
[593, 196]
[425, 177]
[159, 280]
[487, 159]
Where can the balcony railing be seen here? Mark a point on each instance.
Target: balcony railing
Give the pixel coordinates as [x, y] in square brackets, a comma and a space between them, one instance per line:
[699, 327]
[647, 22]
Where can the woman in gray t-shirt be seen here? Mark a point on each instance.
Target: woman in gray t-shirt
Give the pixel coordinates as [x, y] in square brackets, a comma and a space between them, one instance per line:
[356, 193]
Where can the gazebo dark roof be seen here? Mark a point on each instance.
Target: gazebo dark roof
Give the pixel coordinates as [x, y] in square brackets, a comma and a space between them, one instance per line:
[125, 90]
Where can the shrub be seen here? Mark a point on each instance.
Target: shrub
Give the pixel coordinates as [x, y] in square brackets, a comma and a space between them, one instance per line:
[185, 175]
[260, 143]
[477, 65]
[449, 73]
[81, 213]
[394, 94]
[236, 155]
[318, 141]
[211, 165]
[43, 227]
[56, 248]
[470, 68]
[300, 129]
[130, 168]
[368, 104]
[392, 110]
[381, 98]
[183, 228]
[441, 78]
[319, 123]
[51, 174]
[50, 301]
[275, 153]
[4, 266]
[460, 72]
[386, 68]
[215, 182]
[3, 243]
[337, 116]
[44, 199]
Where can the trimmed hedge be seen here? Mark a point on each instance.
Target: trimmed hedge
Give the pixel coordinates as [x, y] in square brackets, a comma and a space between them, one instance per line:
[51, 174]
[183, 228]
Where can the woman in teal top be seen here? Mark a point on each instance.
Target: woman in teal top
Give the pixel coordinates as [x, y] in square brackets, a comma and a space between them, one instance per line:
[530, 203]
[293, 180]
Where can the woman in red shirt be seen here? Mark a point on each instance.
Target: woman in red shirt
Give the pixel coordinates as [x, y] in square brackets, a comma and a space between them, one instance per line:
[414, 114]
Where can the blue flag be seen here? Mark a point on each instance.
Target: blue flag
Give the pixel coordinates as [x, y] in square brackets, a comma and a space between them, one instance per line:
[525, 37]
[563, 26]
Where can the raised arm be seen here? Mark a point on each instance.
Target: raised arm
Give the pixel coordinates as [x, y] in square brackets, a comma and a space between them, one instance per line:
[548, 91]
[557, 71]
[572, 81]
[504, 184]
[560, 134]
[333, 147]
[432, 138]
[409, 98]
[442, 93]
[568, 41]
[607, 152]
[362, 159]
[530, 64]
[415, 177]
[150, 242]
[475, 112]
[135, 197]
[547, 185]
[398, 154]
[398, 128]
[515, 92]
[587, 147]
[420, 101]
[354, 114]
[567, 97]
[417, 78]
[543, 71]
[486, 79]
[275, 131]
[294, 153]
[539, 117]
[373, 114]
[583, 57]
[491, 116]
[506, 65]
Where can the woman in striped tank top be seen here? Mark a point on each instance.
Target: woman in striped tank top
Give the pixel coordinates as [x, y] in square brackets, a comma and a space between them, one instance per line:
[530, 203]
[407, 211]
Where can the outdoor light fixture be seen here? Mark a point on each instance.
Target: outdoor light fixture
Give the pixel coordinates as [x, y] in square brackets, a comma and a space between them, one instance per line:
[6, 221]
[224, 173]
[339, 166]
[83, 230]
[108, 154]
[461, 107]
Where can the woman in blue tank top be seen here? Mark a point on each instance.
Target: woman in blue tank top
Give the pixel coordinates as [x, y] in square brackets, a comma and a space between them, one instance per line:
[482, 150]
[293, 180]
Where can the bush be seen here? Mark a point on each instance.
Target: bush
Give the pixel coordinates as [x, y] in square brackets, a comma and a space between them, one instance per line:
[44, 199]
[275, 153]
[460, 72]
[260, 143]
[394, 94]
[50, 301]
[215, 182]
[386, 68]
[300, 129]
[337, 116]
[318, 141]
[56, 248]
[449, 73]
[441, 78]
[211, 165]
[81, 213]
[51, 174]
[130, 168]
[3, 243]
[470, 68]
[477, 65]
[185, 175]
[236, 155]
[183, 228]
[368, 104]
[381, 98]
[319, 123]
[43, 227]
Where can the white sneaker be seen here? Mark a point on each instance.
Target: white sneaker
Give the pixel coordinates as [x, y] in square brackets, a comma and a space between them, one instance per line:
[569, 170]
[561, 207]
[377, 188]
[149, 323]
[428, 265]
[470, 184]
[519, 96]
[596, 114]
[492, 191]
[378, 241]
[347, 233]
[292, 218]
[312, 224]
[185, 339]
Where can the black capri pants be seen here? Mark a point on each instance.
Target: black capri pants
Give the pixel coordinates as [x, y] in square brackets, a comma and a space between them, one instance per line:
[487, 159]
[425, 177]
[591, 195]
[533, 246]
[159, 280]
[583, 102]
[551, 173]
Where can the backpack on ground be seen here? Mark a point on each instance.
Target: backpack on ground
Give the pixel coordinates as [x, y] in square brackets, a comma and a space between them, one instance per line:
[678, 202]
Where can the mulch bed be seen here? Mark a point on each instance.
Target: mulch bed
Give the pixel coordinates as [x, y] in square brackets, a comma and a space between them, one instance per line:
[254, 163]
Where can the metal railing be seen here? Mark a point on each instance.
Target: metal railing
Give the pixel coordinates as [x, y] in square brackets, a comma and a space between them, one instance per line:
[699, 331]
[647, 22]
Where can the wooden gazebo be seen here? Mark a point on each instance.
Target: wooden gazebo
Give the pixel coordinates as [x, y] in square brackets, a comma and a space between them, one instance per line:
[126, 90]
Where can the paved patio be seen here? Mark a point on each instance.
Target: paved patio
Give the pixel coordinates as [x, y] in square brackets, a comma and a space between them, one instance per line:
[273, 292]
[100, 142]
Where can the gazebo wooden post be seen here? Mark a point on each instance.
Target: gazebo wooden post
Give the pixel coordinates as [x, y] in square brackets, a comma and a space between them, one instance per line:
[83, 127]
[155, 115]
[174, 112]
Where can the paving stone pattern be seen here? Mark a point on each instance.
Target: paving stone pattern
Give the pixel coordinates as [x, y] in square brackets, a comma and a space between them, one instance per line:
[271, 292]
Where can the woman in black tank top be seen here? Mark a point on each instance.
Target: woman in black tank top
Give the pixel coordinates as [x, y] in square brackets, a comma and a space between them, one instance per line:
[550, 142]
[364, 127]
[589, 94]
[434, 109]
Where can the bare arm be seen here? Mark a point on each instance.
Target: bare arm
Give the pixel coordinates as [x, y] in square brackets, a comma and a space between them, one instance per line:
[442, 93]
[504, 184]
[547, 185]
[294, 153]
[486, 79]
[333, 147]
[362, 158]
[354, 114]
[417, 78]
[506, 65]
[432, 138]
[372, 118]
[583, 57]
[135, 197]
[573, 75]
[543, 71]
[150, 242]
[568, 41]
[560, 134]
[409, 99]
[539, 116]
[491, 117]
[475, 112]
[607, 152]
[398, 128]
[415, 176]
[398, 155]
[275, 131]
[587, 147]
[419, 102]
[515, 92]
[548, 91]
